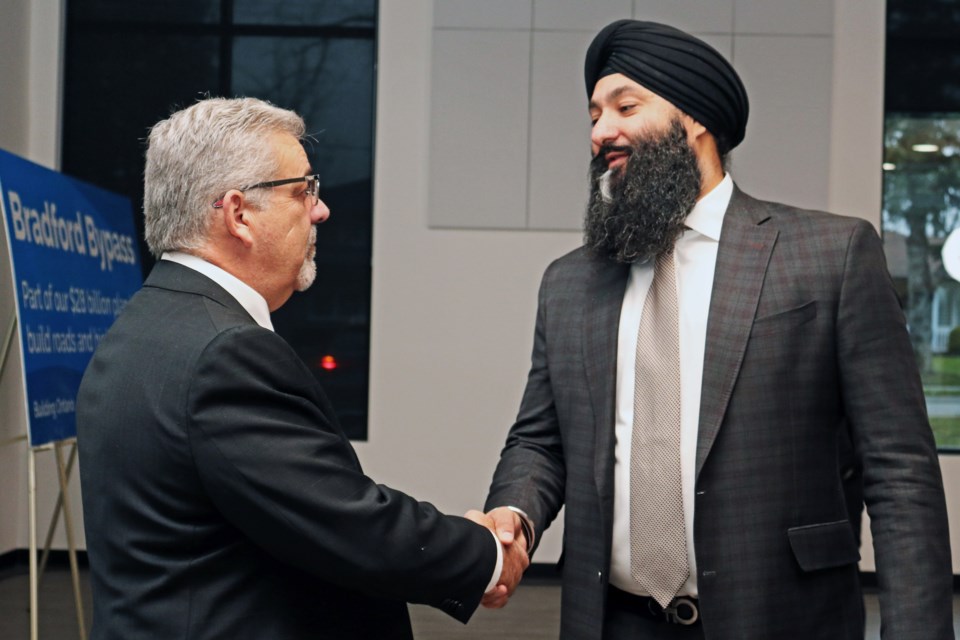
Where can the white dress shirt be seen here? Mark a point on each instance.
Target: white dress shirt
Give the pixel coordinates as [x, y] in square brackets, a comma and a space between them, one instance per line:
[248, 298]
[258, 309]
[696, 253]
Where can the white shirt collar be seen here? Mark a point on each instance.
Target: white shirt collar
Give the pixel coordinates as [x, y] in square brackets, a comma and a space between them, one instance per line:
[248, 298]
[707, 215]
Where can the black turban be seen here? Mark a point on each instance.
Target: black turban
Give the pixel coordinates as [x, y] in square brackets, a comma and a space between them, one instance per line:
[682, 69]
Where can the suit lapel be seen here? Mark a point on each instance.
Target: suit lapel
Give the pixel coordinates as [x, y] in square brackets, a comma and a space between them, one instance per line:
[605, 287]
[742, 259]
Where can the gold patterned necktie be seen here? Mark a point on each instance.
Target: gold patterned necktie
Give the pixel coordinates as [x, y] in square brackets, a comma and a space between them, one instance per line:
[658, 542]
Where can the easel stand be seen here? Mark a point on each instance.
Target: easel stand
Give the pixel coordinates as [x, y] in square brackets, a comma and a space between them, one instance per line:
[63, 506]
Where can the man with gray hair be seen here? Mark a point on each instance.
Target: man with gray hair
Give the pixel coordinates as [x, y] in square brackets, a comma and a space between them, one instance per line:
[221, 497]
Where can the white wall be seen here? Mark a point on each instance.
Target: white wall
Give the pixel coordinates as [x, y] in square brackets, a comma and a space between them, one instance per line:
[12, 420]
[453, 310]
[31, 34]
[475, 193]
[13, 113]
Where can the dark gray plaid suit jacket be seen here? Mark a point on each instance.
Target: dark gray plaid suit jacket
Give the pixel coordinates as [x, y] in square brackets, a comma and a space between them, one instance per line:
[804, 334]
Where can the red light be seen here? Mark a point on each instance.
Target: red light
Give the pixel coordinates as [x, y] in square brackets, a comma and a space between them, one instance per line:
[328, 362]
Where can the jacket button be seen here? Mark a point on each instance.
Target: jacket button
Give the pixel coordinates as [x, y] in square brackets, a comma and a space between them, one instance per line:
[599, 576]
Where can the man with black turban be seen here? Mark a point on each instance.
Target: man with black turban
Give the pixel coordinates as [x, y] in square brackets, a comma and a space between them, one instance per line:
[694, 367]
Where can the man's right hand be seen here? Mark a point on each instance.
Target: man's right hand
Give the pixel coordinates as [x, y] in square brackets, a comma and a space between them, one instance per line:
[508, 530]
[507, 526]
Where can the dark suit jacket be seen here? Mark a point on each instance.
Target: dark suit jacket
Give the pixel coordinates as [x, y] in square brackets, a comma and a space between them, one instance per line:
[804, 333]
[222, 500]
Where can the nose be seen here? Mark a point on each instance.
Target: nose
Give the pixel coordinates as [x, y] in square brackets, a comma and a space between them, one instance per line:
[604, 131]
[319, 213]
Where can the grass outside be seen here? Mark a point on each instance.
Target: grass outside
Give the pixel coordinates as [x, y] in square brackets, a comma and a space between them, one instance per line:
[943, 380]
[947, 432]
[944, 371]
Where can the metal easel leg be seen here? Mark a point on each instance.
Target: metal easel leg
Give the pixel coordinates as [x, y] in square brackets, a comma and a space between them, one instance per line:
[55, 519]
[71, 545]
[8, 340]
[32, 490]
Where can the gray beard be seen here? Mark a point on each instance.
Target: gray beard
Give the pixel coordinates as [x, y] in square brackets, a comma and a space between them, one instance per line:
[638, 215]
[308, 270]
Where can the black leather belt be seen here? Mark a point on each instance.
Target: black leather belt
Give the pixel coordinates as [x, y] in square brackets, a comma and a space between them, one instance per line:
[682, 610]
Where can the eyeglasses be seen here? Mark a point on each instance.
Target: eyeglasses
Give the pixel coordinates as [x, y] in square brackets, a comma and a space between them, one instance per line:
[312, 191]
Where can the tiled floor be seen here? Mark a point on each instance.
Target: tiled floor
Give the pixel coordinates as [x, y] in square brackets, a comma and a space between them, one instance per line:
[533, 613]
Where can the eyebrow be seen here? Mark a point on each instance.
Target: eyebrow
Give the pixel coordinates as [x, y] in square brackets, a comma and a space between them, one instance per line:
[613, 94]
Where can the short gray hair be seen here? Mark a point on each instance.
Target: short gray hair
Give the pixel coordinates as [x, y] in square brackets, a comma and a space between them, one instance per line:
[198, 154]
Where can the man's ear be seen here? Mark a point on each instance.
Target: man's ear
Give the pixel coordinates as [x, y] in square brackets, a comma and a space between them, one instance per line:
[236, 217]
[702, 142]
[695, 130]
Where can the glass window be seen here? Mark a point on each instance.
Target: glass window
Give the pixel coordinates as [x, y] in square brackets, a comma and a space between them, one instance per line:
[327, 81]
[338, 13]
[98, 12]
[921, 194]
[129, 64]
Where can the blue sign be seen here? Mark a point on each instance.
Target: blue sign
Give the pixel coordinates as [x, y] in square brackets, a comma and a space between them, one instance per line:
[75, 263]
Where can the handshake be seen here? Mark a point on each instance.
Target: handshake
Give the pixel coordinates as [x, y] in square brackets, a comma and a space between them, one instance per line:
[516, 536]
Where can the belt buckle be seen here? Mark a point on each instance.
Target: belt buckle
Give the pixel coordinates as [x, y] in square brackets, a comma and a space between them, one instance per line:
[673, 614]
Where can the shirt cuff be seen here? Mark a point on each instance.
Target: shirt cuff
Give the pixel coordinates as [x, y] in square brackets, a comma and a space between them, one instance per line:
[529, 532]
[498, 569]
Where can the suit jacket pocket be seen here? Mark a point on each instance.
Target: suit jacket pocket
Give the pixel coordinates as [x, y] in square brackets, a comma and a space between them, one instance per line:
[824, 545]
[784, 320]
